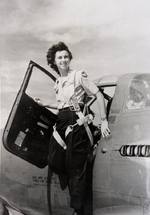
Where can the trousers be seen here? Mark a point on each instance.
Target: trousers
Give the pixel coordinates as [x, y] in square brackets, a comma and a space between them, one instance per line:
[76, 166]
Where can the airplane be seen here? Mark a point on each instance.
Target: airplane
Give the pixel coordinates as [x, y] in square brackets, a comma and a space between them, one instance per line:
[121, 168]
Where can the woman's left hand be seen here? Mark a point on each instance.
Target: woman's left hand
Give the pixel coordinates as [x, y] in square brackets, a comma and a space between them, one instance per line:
[105, 129]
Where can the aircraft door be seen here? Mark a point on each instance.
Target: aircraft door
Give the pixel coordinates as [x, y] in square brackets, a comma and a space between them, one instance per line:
[29, 127]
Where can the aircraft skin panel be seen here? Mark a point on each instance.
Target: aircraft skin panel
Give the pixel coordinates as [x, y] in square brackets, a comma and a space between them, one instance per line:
[132, 172]
[33, 199]
[125, 155]
[120, 210]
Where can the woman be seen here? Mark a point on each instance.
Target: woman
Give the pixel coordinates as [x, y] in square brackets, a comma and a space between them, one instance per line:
[73, 84]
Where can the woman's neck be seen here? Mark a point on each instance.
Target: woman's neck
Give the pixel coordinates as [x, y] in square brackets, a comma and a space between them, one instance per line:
[64, 73]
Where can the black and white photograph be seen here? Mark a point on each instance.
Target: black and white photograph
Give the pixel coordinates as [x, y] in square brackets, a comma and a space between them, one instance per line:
[75, 107]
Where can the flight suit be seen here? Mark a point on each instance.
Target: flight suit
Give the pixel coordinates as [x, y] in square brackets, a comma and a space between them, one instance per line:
[76, 167]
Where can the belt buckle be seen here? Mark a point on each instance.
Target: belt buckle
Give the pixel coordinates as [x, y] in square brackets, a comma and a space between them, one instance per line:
[73, 104]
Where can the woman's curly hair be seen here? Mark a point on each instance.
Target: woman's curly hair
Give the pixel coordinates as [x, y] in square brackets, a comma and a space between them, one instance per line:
[51, 54]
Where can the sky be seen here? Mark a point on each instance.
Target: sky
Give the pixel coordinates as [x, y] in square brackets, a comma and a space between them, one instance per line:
[106, 37]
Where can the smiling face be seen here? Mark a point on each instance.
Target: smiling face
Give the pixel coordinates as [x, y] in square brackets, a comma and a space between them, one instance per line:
[62, 61]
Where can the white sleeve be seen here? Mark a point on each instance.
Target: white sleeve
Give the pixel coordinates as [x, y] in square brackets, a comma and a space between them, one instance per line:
[89, 86]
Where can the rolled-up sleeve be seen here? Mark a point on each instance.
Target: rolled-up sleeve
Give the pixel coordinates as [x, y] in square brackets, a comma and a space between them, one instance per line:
[89, 86]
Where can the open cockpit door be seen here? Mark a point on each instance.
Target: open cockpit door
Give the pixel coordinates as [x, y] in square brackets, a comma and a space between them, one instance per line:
[29, 127]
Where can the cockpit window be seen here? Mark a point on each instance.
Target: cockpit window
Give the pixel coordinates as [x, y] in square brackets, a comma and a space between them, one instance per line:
[139, 93]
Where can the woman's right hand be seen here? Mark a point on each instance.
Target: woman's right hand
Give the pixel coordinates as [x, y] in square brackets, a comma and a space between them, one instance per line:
[38, 101]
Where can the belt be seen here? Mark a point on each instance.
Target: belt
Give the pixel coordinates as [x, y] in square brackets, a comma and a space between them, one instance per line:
[66, 108]
[71, 108]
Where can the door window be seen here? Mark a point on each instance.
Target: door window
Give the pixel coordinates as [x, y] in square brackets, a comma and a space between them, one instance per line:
[41, 86]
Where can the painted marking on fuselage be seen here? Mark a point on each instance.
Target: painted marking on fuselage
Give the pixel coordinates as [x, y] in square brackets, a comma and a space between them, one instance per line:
[42, 180]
